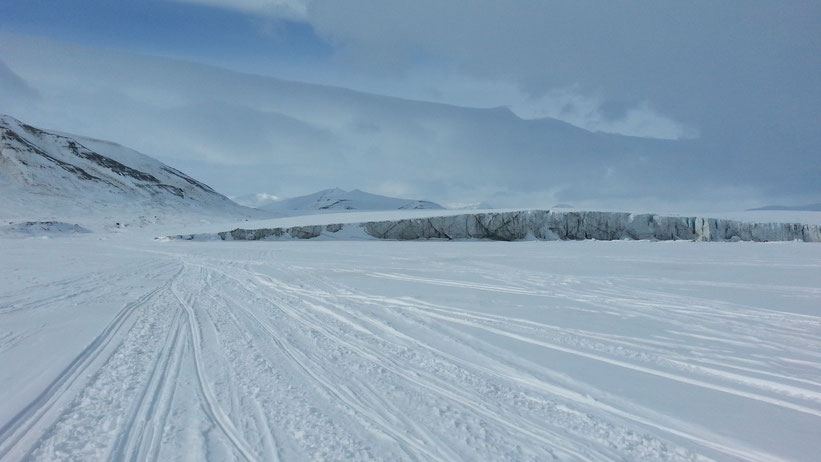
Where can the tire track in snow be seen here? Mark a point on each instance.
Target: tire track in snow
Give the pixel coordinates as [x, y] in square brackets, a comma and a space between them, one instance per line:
[314, 371]
[300, 416]
[626, 365]
[265, 432]
[732, 321]
[95, 286]
[668, 358]
[140, 440]
[21, 431]
[695, 434]
[215, 412]
[672, 360]
[727, 447]
[435, 385]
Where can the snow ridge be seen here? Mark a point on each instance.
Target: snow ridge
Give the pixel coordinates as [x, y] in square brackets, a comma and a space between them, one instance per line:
[537, 224]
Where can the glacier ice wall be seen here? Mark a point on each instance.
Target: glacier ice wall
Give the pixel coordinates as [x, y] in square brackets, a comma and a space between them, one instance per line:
[538, 224]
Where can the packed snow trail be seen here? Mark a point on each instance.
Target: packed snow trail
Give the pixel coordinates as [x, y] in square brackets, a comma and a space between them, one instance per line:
[126, 349]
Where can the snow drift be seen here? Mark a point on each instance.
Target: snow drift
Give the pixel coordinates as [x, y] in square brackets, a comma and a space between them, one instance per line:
[537, 224]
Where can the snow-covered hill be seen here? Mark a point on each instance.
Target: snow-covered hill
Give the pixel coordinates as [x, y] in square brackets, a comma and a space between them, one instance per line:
[336, 200]
[46, 174]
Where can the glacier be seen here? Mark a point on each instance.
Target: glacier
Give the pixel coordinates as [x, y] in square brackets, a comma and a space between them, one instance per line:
[535, 225]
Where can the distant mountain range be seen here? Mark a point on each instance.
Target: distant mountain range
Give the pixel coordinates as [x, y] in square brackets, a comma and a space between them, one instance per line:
[803, 208]
[339, 200]
[45, 174]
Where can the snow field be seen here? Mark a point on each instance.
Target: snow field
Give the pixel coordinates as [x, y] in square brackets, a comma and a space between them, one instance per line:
[128, 349]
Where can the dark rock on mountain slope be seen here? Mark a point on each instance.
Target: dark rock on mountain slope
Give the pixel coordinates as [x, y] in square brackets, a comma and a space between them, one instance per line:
[45, 174]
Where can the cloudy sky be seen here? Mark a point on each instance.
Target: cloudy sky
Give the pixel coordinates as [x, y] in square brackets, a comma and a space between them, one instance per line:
[707, 104]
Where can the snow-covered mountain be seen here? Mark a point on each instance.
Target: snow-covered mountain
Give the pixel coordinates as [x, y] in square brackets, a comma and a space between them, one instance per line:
[46, 174]
[337, 200]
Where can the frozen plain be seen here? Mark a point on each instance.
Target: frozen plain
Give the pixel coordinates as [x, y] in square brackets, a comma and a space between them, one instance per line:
[118, 347]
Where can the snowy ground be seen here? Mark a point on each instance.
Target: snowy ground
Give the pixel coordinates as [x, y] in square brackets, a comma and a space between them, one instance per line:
[114, 346]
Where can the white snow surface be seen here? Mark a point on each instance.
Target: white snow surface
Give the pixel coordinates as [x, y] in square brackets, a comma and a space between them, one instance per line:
[339, 200]
[114, 346]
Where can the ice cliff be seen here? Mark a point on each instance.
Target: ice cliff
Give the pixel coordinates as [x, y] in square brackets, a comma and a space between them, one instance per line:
[537, 224]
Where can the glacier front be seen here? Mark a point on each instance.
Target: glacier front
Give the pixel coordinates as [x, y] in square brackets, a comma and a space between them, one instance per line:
[536, 224]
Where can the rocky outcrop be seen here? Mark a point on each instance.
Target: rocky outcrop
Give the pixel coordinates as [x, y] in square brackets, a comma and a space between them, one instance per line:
[41, 228]
[539, 224]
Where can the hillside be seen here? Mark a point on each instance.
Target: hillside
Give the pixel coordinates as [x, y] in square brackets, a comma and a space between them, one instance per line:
[47, 174]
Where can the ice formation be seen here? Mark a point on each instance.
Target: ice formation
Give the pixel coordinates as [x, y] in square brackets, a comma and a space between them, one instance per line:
[539, 224]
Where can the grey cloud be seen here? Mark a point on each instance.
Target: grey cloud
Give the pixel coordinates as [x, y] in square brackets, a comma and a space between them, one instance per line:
[744, 74]
[14, 90]
[614, 110]
[242, 133]
[741, 74]
[291, 9]
[639, 50]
